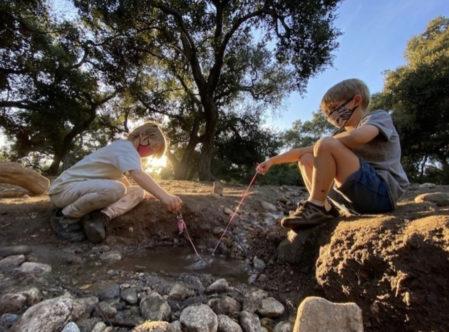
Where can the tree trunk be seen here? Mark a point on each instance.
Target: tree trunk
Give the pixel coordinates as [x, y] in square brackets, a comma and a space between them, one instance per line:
[204, 171]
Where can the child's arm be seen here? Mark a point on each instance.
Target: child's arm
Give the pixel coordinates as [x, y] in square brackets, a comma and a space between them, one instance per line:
[287, 157]
[173, 202]
[358, 136]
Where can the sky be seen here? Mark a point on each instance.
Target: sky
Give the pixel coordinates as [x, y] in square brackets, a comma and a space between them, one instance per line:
[373, 40]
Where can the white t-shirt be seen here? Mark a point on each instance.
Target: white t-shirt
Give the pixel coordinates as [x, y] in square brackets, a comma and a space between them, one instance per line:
[109, 163]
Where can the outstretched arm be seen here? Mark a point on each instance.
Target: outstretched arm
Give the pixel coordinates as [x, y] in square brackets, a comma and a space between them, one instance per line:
[287, 157]
[172, 202]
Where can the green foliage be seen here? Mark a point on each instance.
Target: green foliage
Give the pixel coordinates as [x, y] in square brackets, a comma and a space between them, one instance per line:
[307, 133]
[49, 92]
[418, 94]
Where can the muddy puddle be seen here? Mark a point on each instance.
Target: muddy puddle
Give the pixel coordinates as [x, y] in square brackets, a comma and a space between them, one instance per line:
[177, 260]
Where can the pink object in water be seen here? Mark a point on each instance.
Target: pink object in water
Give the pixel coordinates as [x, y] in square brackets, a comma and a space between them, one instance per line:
[181, 224]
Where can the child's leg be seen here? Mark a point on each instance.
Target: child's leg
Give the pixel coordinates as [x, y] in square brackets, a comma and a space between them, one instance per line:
[333, 161]
[83, 197]
[305, 165]
[133, 196]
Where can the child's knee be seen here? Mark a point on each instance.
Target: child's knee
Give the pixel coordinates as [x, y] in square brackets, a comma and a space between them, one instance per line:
[114, 192]
[324, 143]
[306, 160]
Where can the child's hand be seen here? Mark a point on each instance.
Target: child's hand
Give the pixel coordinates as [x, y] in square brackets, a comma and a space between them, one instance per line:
[173, 203]
[264, 167]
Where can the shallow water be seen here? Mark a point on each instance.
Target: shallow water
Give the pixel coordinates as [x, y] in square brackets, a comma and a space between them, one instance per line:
[170, 260]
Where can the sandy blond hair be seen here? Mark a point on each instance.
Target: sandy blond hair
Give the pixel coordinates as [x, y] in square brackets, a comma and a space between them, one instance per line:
[343, 91]
[154, 133]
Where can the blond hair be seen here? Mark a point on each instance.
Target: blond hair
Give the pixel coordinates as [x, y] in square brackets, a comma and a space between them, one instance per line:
[154, 133]
[343, 91]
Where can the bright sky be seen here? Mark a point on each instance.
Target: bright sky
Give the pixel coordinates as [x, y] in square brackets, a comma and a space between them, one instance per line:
[374, 38]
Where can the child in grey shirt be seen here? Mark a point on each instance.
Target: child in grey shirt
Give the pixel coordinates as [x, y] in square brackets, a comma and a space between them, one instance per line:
[358, 167]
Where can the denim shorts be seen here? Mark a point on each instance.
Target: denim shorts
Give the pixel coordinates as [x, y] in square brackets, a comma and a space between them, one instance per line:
[364, 191]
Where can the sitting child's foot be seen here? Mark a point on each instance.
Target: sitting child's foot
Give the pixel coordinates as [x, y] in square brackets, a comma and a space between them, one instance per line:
[66, 228]
[95, 225]
[308, 215]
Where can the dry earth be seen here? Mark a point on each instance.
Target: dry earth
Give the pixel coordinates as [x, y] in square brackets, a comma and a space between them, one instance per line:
[394, 266]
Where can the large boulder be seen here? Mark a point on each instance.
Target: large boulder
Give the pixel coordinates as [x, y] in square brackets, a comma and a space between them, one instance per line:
[15, 173]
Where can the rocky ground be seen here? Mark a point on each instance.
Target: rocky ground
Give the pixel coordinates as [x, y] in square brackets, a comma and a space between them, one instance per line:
[393, 266]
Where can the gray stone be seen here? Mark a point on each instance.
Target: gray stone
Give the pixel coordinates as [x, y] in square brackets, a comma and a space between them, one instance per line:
[225, 305]
[111, 256]
[179, 292]
[199, 318]
[106, 291]
[15, 302]
[253, 300]
[270, 307]
[50, 315]
[227, 324]
[154, 307]
[71, 327]
[99, 327]
[283, 327]
[250, 322]
[105, 310]
[259, 265]
[14, 250]
[34, 268]
[11, 262]
[7, 320]
[319, 315]
[268, 206]
[218, 286]
[129, 295]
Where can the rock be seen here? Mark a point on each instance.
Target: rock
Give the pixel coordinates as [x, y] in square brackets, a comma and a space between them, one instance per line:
[179, 292]
[199, 318]
[50, 315]
[98, 327]
[268, 206]
[71, 327]
[270, 307]
[253, 301]
[108, 290]
[7, 321]
[111, 256]
[225, 305]
[105, 310]
[318, 314]
[218, 188]
[228, 211]
[259, 265]
[14, 250]
[34, 268]
[426, 185]
[15, 173]
[250, 322]
[15, 302]
[129, 295]
[11, 262]
[439, 198]
[283, 327]
[154, 307]
[154, 326]
[218, 286]
[227, 324]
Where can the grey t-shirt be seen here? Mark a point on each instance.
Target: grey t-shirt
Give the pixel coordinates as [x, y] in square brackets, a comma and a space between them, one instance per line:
[383, 153]
[108, 162]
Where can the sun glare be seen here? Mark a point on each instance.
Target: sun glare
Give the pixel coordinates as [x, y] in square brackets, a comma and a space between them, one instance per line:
[154, 165]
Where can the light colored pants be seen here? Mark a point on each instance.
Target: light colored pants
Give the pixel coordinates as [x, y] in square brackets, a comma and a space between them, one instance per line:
[112, 197]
